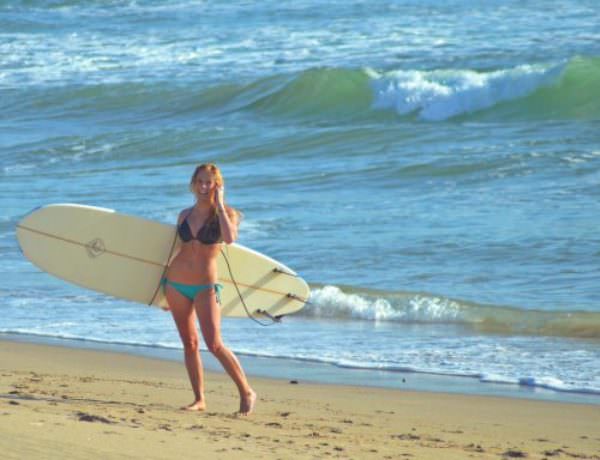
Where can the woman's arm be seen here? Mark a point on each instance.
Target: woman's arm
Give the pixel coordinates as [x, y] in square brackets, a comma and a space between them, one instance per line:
[228, 219]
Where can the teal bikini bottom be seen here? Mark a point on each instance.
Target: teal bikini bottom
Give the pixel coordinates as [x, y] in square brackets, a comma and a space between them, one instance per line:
[191, 290]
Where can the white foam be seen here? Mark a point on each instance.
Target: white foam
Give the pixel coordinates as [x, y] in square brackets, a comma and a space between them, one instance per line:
[497, 378]
[332, 302]
[442, 94]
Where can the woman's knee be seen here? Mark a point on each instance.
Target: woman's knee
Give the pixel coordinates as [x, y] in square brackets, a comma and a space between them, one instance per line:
[215, 346]
[190, 344]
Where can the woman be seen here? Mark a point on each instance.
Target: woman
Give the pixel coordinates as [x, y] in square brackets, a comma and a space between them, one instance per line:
[191, 286]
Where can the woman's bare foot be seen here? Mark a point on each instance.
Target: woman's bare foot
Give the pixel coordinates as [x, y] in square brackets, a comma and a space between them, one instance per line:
[195, 406]
[247, 403]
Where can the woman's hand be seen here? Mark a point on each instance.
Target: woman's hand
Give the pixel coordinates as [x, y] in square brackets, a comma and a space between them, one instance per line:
[220, 197]
[227, 217]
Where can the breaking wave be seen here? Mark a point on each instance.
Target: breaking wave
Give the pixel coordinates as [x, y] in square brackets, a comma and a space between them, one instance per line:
[560, 91]
[405, 307]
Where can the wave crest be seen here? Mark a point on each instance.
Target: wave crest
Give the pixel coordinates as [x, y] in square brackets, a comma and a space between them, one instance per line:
[368, 305]
[560, 91]
[443, 94]
[565, 90]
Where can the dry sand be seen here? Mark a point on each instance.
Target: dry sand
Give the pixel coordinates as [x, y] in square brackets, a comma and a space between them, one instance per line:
[59, 402]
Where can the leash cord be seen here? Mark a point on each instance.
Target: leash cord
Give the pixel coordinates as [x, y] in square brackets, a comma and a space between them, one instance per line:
[273, 319]
[164, 269]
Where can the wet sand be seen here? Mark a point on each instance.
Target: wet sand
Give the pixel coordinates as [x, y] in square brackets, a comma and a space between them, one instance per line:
[58, 402]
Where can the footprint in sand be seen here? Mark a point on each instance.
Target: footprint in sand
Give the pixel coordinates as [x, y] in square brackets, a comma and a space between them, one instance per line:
[514, 453]
[274, 425]
[84, 417]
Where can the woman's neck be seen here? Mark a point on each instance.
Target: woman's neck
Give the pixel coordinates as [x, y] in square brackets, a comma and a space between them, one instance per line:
[203, 206]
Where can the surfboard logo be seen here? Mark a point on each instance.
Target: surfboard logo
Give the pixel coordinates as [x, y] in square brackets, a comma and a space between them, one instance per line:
[95, 248]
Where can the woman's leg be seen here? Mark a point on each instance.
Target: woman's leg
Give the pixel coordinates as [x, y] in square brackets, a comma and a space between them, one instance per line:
[185, 319]
[209, 313]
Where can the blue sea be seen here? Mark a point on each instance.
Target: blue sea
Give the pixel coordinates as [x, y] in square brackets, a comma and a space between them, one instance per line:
[430, 167]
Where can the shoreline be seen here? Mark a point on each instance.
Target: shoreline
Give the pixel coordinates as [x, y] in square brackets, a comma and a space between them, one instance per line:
[328, 374]
[58, 401]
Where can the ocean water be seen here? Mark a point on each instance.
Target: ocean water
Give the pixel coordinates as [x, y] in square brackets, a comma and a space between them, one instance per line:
[431, 168]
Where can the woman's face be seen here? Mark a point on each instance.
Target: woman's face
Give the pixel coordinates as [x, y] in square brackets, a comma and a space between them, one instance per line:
[204, 185]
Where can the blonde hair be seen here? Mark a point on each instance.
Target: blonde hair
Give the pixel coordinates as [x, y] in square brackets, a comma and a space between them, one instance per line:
[217, 176]
[213, 169]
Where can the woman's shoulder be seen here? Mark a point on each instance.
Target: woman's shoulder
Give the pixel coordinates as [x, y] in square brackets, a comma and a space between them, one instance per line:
[183, 214]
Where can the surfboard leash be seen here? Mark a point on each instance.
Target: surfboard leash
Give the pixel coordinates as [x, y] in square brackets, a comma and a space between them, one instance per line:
[274, 319]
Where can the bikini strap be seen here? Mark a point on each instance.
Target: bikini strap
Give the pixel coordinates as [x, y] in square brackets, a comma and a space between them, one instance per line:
[187, 215]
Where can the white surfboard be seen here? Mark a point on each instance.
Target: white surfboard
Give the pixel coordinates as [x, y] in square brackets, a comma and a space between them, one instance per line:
[126, 257]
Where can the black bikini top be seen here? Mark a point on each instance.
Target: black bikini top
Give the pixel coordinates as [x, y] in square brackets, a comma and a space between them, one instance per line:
[209, 233]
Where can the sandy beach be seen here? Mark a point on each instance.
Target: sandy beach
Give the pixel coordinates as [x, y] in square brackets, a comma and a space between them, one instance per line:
[70, 403]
